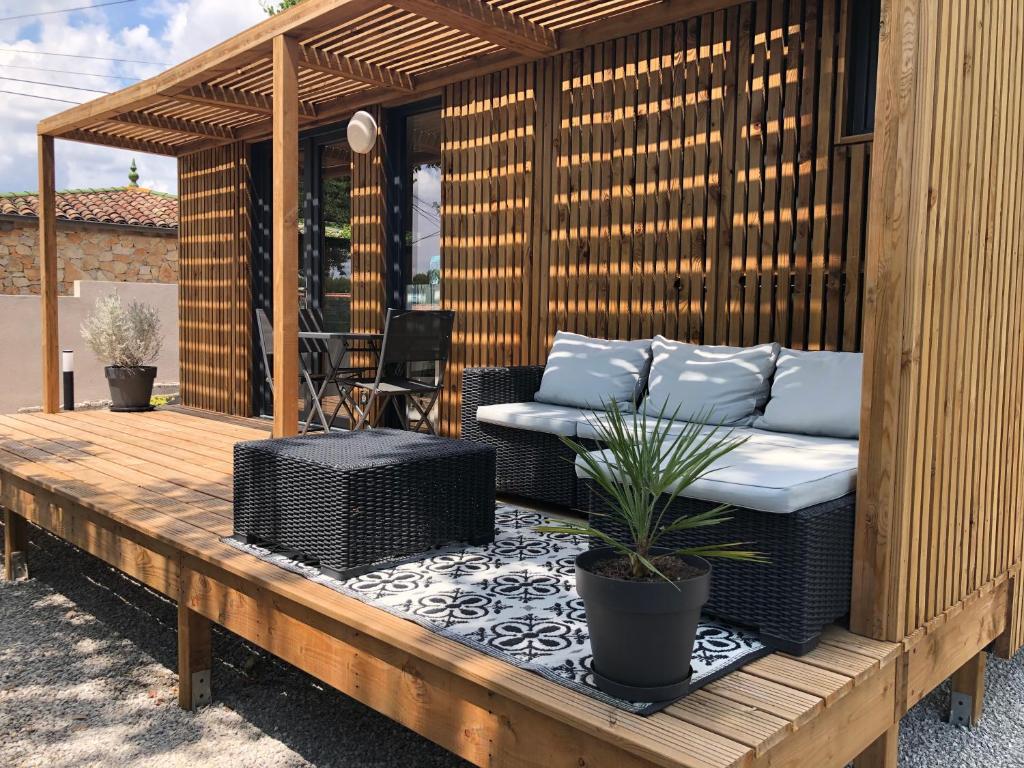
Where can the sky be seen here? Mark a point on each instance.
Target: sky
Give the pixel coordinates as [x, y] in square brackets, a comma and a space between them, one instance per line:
[162, 32]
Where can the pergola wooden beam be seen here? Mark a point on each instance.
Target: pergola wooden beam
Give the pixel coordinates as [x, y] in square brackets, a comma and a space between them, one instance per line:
[285, 242]
[354, 69]
[485, 22]
[48, 275]
[302, 21]
[121, 142]
[177, 125]
[241, 101]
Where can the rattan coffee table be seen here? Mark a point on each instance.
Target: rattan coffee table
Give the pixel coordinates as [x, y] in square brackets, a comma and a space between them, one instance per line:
[350, 501]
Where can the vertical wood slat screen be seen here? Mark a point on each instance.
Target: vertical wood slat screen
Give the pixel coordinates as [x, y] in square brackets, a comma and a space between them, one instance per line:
[943, 460]
[682, 181]
[487, 196]
[369, 241]
[214, 297]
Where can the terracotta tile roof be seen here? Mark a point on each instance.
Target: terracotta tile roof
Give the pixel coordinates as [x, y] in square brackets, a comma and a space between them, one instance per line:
[135, 206]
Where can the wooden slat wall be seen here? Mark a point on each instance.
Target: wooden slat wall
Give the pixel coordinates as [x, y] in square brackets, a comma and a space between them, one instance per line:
[487, 196]
[214, 296]
[369, 241]
[942, 453]
[682, 181]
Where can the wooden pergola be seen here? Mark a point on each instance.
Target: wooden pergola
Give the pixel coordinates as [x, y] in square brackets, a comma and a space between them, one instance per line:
[905, 245]
[311, 65]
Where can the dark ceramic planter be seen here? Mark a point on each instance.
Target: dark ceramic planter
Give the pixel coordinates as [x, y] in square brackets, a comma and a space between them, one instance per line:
[641, 633]
[131, 388]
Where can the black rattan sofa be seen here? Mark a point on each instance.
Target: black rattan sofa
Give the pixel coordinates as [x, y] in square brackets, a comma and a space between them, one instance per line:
[535, 465]
[790, 600]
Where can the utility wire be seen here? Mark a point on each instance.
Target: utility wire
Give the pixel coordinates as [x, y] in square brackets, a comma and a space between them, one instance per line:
[52, 85]
[67, 72]
[36, 96]
[64, 10]
[80, 56]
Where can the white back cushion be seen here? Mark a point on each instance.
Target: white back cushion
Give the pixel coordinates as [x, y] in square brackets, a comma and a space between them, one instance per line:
[715, 385]
[588, 373]
[815, 393]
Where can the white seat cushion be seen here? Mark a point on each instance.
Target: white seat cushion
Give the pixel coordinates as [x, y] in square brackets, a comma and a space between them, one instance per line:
[590, 425]
[559, 420]
[711, 384]
[774, 472]
[815, 393]
[589, 373]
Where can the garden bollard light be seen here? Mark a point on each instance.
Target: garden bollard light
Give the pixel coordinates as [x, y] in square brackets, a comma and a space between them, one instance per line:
[68, 367]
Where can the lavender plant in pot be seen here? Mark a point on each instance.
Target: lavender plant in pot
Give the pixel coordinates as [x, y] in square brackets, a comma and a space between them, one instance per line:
[127, 337]
[643, 599]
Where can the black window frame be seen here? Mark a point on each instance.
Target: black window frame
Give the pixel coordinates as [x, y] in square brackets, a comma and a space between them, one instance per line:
[863, 33]
[400, 195]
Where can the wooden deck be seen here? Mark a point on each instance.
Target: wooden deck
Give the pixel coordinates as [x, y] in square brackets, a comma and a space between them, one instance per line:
[151, 495]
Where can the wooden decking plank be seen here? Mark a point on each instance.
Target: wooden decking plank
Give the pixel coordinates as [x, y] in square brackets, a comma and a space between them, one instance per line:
[865, 646]
[179, 427]
[840, 660]
[140, 453]
[133, 438]
[115, 467]
[740, 722]
[62, 477]
[803, 677]
[183, 445]
[795, 706]
[206, 426]
[727, 724]
[87, 476]
[664, 739]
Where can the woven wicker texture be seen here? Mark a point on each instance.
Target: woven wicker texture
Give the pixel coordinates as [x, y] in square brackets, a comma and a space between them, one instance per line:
[534, 465]
[353, 499]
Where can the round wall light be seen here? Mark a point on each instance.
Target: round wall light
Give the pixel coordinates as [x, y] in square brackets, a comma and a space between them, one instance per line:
[362, 132]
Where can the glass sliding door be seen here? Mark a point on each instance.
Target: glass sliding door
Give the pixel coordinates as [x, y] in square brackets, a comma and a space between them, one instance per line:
[335, 208]
[325, 249]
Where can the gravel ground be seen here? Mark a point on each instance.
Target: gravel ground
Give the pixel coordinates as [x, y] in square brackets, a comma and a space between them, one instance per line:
[87, 661]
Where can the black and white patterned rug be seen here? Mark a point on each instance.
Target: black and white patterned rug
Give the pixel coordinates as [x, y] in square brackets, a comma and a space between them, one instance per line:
[516, 600]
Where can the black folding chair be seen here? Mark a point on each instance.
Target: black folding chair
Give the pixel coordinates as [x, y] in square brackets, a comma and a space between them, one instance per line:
[411, 337]
[309, 381]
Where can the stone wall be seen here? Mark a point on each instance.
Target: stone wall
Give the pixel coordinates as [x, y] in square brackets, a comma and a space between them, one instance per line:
[86, 252]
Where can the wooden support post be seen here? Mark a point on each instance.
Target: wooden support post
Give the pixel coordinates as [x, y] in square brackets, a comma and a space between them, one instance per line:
[883, 752]
[968, 695]
[286, 238]
[15, 547]
[195, 658]
[48, 275]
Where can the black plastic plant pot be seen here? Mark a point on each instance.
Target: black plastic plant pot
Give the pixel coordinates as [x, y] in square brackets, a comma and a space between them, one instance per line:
[131, 388]
[641, 633]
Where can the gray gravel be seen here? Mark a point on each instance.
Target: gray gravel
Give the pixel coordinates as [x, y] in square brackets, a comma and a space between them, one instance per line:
[87, 661]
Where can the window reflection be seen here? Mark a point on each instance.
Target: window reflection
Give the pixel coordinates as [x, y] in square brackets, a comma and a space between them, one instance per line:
[335, 201]
[422, 237]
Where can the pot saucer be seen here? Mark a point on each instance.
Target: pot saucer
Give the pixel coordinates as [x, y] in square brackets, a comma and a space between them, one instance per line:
[653, 694]
[132, 410]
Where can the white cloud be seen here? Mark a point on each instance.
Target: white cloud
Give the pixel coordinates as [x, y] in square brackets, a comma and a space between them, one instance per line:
[171, 31]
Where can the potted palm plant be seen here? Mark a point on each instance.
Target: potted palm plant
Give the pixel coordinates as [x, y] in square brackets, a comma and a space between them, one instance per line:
[643, 599]
[127, 337]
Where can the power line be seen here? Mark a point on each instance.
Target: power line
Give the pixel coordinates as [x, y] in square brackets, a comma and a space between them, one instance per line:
[64, 10]
[80, 56]
[52, 85]
[67, 72]
[36, 96]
